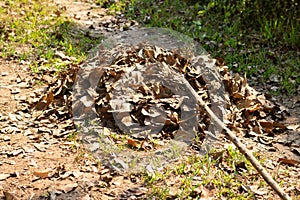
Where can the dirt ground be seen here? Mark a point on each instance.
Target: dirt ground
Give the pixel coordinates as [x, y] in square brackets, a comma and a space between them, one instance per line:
[37, 161]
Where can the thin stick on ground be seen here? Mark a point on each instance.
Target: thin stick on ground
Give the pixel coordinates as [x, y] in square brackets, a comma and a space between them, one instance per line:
[242, 148]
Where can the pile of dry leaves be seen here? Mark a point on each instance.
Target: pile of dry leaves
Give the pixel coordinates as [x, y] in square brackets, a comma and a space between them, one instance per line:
[126, 104]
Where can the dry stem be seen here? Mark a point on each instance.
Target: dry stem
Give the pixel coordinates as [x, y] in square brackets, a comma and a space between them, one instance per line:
[242, 148]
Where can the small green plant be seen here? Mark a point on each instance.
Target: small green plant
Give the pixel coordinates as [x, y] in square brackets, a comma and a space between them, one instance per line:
[72, 137]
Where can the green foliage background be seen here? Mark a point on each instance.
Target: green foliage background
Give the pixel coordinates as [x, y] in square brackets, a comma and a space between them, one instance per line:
[260, 38]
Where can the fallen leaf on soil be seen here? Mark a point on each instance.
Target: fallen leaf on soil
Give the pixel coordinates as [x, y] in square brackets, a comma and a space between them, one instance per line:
[4, 176]
[15, 91]
[43, 174]
[293, 127]
[40, 147]
[9, 196]
[4, 73]
[16, 152]
[287, 161]
[67, 188]
[45, 101]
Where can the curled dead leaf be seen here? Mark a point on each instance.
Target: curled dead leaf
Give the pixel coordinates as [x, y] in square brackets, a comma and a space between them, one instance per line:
[288, 161]
[43, 174]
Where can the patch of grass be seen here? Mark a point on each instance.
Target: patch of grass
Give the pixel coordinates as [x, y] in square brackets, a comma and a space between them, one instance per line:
[112, 5]
[260, 48]
[37, 32]
[219, 174]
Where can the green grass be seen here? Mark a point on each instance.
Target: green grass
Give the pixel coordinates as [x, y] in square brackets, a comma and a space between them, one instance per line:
[35, 31]
[261, 48]
[218, 175]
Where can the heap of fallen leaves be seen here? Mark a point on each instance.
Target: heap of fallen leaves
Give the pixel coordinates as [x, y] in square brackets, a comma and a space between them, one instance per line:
[147, 95]
[246, 110]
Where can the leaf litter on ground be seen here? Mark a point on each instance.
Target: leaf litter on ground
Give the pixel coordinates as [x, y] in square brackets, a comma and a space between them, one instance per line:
[247, 110]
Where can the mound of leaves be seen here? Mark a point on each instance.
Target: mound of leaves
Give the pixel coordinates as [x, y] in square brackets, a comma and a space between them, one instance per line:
[246, 110]
[152, 103]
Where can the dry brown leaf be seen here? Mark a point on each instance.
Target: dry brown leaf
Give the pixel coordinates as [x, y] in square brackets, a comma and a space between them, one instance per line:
[134, 143]
[207, 192]
[293, 127]
[170, 60]
[287, 161]
[68, 187]
[237, 95]
[220, 61]
[9, 196]
[50, 98]
[266, 124]
[43, 174]
[41, 104]
[44, 102]
[150, 54]
[174, 191]
[4, 176]
[254, 108]
[258, 191]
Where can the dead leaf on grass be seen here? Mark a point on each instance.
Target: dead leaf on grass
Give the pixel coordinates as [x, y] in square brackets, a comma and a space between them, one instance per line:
[134, 143]
[259, 191]
[207, 192]
[174, 191]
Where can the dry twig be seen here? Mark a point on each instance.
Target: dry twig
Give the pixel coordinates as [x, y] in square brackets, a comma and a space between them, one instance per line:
[242, 148]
